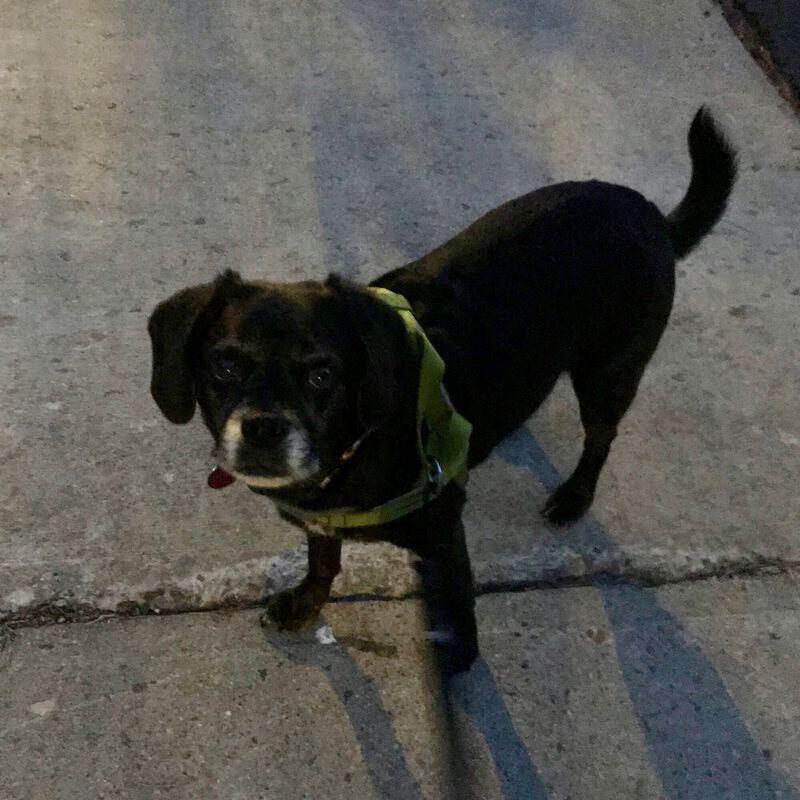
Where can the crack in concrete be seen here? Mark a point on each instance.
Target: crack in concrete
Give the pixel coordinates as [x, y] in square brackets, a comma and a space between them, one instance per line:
[64, 612]
[756, 567]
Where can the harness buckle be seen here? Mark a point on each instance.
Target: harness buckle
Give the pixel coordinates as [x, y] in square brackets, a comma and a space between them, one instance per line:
[435, 479]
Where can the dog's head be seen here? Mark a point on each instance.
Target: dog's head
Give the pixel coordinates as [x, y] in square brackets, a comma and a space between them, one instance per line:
[287, 376]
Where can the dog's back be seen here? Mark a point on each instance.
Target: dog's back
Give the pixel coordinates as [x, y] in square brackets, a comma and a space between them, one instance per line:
[575, 277]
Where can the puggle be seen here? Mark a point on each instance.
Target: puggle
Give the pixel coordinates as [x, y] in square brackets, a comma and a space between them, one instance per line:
[311, 390]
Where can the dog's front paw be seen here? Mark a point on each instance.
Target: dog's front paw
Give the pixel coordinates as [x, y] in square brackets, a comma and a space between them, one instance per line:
[567, 503]
[292, 610]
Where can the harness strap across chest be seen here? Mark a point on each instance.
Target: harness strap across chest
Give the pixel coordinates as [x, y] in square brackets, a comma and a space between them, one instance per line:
[442, 439]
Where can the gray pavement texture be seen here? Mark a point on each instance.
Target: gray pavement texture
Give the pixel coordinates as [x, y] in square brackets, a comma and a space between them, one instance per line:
[688, 691]
[146, 146]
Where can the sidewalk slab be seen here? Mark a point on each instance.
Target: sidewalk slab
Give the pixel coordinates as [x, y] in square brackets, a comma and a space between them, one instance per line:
[176, 708]
[588, 693]
[148, 146]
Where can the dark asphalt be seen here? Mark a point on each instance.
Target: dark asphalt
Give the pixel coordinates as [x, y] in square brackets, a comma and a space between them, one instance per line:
[775, 25]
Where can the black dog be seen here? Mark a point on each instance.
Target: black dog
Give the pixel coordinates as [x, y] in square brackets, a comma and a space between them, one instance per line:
[575, 277]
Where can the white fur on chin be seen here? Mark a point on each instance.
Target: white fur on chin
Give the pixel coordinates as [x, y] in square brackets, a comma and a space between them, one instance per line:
[300, 461]
[264, 481]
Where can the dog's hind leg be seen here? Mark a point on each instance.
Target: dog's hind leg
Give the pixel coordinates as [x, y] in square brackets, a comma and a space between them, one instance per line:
[605, 391]
[298, 607]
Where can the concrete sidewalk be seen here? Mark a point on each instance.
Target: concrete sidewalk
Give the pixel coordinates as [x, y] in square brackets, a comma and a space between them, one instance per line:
[597, 693]
[146, 146]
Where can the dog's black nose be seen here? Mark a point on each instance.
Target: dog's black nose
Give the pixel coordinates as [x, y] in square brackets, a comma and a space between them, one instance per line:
[265, 430]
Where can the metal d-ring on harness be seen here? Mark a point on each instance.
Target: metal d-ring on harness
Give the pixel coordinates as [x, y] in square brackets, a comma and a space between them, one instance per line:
[435, 477]
[443, 453]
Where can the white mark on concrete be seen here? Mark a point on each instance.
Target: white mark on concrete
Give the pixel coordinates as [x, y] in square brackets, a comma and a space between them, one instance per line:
[169, 477]
[43, 708]
[19, 598]
[140, 427]
[54, 406]
[788, 438]
[325, 635]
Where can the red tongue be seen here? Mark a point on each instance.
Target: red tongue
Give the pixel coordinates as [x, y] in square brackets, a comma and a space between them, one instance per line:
[219, 478]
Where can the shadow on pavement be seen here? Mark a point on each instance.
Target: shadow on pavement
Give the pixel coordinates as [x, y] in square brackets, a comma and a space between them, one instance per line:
[699, 745]
[360, 698]
[476, 694]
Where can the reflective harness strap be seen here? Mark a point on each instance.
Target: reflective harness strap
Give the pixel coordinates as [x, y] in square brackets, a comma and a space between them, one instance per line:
[442, 449]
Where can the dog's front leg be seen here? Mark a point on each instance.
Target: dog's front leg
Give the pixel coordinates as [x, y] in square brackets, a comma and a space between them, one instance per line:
[297, 608]
[451, 616]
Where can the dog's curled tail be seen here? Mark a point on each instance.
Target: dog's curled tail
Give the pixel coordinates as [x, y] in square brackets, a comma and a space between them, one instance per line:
[713, 176]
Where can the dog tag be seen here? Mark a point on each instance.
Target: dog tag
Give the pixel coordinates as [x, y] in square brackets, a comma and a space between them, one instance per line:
[219, 478]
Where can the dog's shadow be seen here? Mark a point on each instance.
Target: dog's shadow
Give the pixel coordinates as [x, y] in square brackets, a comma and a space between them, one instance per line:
[474, 693]
[360, 699]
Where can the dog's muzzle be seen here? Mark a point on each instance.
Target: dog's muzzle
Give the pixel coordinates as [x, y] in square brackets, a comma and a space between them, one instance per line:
[266, 449]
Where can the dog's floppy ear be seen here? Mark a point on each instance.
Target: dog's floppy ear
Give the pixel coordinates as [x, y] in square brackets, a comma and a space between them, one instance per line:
[391, 363]
[170, 327]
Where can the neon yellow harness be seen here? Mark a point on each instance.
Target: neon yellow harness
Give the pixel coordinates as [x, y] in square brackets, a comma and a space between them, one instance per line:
[443, 455]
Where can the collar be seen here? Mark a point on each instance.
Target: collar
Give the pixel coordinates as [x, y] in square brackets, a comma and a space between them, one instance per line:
[442, 439]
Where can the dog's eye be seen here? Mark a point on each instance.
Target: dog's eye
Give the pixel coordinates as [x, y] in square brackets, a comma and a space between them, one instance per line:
[319, 378]
[225, 370]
